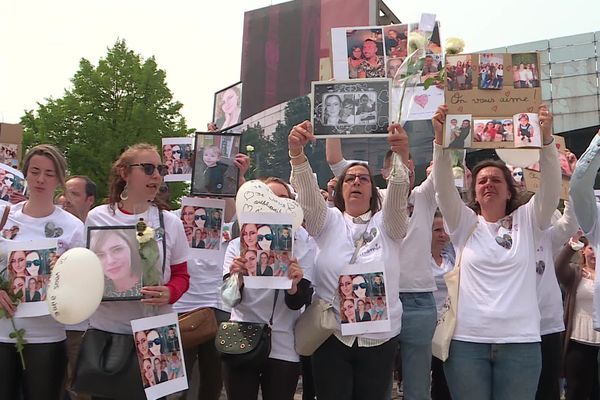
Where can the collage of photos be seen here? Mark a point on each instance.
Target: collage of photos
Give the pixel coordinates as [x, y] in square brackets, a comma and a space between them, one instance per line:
[8, 154]
[267, 247]
[465, 131]
[396, 47]
[227, 109]
[214, 173]
[459, 72]
[351, 107]
[177, 156]
[491, 71]
[525, 70]
[160, 356]
[29, 267]
[11, 181]
[433, 51]
[362, 299]
[203, 222]
[118, 250]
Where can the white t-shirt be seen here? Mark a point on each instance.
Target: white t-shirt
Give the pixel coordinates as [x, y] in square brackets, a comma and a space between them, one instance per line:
[497, 293]
[257, 304]
[594, 238]
[335, 249]
[548, 291]
[44, 329]
[115, 316]
[438, 273]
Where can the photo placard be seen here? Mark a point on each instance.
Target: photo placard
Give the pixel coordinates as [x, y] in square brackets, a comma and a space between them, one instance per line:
[227, 108]
[266, 241]
[214, 173]
[178, 157]
[353, 108]
[160, 356]
[567, 160]
[11, 181]
[29, 266]
[203, 223]
[117, 248]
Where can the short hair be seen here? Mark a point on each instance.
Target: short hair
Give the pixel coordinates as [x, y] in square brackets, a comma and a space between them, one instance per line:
[338, 198]
[51, 152]
[90, 185]
[213, 147]
[370, 40]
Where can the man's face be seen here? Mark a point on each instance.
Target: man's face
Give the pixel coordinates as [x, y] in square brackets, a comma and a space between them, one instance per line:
[369, 49]
[466, 124]
[429, 61]
[76, 201]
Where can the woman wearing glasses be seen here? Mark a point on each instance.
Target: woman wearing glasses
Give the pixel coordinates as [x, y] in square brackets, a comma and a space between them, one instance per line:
[495, 350]
[356, 229]
[265, 237]
[135, 179]
[278, 375]
[45, 351]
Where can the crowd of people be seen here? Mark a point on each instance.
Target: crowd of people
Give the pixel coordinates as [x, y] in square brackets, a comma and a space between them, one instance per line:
[514, 337]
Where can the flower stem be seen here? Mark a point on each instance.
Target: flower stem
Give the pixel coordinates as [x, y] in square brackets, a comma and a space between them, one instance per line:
[20, 342]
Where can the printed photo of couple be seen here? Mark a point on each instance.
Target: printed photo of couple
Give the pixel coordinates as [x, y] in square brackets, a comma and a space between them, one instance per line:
[365, 53]
[159, 355]
[458, 131]
[362, 298]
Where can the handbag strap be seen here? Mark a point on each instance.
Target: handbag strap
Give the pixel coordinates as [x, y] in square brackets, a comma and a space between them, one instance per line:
[274, 304]
[4, 216]
[161, 221]
[459, 259]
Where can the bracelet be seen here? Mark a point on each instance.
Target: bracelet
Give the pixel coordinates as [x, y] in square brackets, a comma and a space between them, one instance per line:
[297, 155]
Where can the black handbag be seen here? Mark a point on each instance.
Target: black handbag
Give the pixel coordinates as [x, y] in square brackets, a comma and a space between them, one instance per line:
[107, 366]
[245, 344]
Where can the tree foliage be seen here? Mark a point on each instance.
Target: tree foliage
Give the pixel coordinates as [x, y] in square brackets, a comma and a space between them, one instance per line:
[119, 102]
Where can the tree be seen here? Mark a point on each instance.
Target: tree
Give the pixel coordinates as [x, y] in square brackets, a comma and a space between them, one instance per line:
[122, 101]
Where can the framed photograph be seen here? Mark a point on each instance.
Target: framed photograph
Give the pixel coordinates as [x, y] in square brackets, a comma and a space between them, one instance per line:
[178, 157]
[354, 108]
[491, 71]
[214, 173]
[11, 181]
[363, 302]
[160, 356]
[266, 243]
[525, 70]
[227, 108]
[29, 266]
[118, 250]
[203, 223]
[457, 131]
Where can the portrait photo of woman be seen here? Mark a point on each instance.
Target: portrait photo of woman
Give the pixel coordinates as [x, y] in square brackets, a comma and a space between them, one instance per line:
[228, 107]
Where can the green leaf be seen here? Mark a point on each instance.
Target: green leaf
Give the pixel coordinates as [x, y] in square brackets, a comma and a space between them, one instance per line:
[12, 335]
[3, 313]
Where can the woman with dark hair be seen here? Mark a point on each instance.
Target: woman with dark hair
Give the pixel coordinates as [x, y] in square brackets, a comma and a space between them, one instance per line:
[495, 350]
[45, 354]
[263, 265]
[356, 57]
[133, 199]
[357, 229]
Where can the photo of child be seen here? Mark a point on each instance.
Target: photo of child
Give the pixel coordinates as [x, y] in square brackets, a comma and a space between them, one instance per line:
[214, 173]
[527, 130]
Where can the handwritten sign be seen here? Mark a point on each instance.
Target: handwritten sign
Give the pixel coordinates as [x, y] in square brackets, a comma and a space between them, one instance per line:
[533, 183]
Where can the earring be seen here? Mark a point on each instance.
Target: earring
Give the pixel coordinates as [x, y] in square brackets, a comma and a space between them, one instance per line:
[124, 194]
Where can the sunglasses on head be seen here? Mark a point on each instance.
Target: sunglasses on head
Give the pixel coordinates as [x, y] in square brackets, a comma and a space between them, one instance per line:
[202, 217]
[362, 178]
[359, 285]
[156, 342]
[149, 168]
[37, 263]
[268, 236]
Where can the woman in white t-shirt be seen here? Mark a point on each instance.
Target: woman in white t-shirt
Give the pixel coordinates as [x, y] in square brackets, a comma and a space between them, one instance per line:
[365, 359]
[278, 375]
[135, 179]
[495, 351]
[37, 218]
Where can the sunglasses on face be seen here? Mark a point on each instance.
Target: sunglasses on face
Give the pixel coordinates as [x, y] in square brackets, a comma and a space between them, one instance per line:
[507, 124]
[360, 285]
[37, 263]
[268, 236]
[362, 178]
[149, 168]
[154, 342]
[202, 217]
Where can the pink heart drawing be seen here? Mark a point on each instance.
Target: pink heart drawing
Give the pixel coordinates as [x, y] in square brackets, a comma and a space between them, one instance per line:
[422, 100]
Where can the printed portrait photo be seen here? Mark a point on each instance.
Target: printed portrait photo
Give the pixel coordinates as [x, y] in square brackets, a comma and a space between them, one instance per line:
[527, 130]
[459, 72]
[118, 251]
[491, 71]
[457, 133]
[214, 172]
[227, 109]
[525, 70]
[11, 181]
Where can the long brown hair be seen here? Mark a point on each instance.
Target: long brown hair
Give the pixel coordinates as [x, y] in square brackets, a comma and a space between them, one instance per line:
[517, 199]
[338, 198]
[116, 183]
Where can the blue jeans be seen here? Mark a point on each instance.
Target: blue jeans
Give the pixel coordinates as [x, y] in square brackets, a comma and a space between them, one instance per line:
[419, 317]
[486, 371]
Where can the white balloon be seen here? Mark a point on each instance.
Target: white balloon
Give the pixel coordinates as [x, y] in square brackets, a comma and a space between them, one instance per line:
[76, 286]
[519, 157]
[256, 197]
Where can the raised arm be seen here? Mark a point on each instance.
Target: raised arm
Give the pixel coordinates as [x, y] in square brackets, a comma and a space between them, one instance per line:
[335, 157]
[395, 216]
[565, 227]
[309, 196]
[546, 200]
[449, 201]
[582, 186]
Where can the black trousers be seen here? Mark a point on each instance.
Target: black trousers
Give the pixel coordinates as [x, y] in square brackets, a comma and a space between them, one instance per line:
[209, 365]
[308, 386]
[353, 373]
[548, 385]
[439, 386]
[44, 374]
[581, 370]
[277, 380]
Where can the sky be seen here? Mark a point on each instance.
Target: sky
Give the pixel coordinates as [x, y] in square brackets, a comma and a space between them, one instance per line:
[199, 42]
